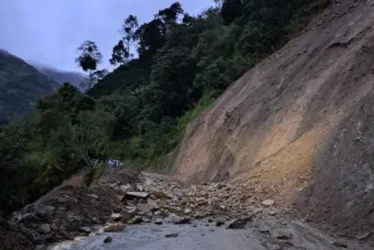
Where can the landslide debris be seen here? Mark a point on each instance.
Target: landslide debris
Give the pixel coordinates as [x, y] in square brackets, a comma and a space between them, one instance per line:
[113, 207]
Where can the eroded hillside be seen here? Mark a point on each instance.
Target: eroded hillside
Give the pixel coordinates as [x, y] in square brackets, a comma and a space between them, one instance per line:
[273, 121]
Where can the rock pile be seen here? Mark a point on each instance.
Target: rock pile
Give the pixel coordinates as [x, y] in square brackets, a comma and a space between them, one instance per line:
[70, 211]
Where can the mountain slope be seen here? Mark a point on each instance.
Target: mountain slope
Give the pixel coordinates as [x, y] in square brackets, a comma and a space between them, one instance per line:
[271, 124]
[20, 85]
[61, 77]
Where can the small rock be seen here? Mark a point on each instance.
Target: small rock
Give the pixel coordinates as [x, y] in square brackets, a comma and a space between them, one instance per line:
[146, 220]
[220, 185]
[85, 229]
[141, 195]
[211, 229]
[135, 220]
[125, 188]
[67, 236]
[268, 202]
[120, 197]
[264, 229]
[29, 217]
[108, 239]
[237, 223]
[340, 244]
[125, 218]
[257, 210]
[115, 228]
[187, 211]
[200, 215]
[160, 195]
[45, 211]
[45, 228]
[140, 187]
[18, 216]
[158, 212]
[272, 213]
[131, 209]
[116, 216]
[219, 223]
[178, 220]
[94, 196]
[284, 223]
[158, 222]
[153, 204]
[77, 218]
[362, 236]
[62, 199]
[171, 235]
[282, 234]
[143, 208]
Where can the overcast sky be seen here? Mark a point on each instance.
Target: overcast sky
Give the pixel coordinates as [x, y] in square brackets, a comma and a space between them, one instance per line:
[49, 31]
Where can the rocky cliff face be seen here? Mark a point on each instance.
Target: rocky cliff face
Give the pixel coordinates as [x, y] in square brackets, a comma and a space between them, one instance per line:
[285, 121]
[20, 85]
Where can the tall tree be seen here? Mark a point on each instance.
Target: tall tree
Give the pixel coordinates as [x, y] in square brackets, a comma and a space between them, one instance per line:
[89, 58]
[120, 54]
[129, 27]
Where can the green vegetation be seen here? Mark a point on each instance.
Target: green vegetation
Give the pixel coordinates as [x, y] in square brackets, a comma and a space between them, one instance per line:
[138, 112]
[20, 86]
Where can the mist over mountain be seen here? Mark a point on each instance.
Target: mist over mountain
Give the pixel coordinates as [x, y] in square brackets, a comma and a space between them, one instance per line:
[61, 76]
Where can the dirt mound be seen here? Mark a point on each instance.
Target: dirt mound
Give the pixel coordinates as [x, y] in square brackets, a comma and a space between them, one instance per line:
[63, 213]
[67, 211]
[269, 125]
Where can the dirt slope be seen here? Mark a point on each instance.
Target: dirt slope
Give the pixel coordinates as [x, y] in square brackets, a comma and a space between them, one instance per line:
[342, 190]
[271, 122]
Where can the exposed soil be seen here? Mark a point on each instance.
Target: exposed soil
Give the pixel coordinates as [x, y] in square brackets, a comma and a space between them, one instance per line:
[282, 128]
[342, 193]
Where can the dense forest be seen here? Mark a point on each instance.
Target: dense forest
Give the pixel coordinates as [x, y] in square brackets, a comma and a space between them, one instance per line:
[167, 71]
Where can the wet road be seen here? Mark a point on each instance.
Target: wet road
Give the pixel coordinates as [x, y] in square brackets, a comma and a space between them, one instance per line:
[260, 235]
[152, 237]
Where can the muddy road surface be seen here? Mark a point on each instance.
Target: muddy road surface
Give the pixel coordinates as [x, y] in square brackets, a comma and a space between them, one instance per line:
[257, 235]
[208, 216]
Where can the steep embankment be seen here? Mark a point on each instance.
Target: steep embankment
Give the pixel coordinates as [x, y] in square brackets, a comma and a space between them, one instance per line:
[272, 122]
[20, 85]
